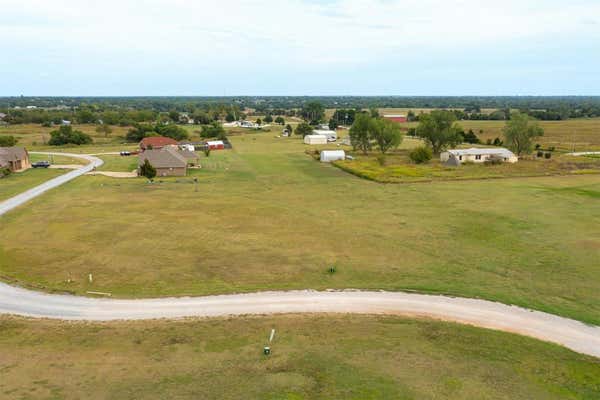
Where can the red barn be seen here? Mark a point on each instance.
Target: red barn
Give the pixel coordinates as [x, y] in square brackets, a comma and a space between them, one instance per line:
[157, 142]
[396, 118]
[215, 144]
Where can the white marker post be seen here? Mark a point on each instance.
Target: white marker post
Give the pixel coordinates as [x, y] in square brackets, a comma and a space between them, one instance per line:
[272, 335]
[90, 278]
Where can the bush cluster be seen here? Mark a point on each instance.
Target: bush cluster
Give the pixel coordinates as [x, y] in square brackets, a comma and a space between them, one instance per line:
[421, 155]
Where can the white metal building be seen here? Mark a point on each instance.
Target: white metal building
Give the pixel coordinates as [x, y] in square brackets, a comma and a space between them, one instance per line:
[315, 139]
[331, 135]
[332, 155]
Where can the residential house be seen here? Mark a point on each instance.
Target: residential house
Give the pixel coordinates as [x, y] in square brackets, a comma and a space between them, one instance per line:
[14, 158]
[478, 155]
[168, 161]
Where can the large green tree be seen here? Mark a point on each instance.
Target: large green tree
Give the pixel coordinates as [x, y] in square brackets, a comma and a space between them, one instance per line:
[304, 129]
[67, 135]
[520, 131]
[361, 132]
[313, 112]
[8, 141]
[387, 134]
[440, 130]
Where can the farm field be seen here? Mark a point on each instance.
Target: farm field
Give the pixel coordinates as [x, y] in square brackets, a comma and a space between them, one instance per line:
[313, 357]
[267, 216]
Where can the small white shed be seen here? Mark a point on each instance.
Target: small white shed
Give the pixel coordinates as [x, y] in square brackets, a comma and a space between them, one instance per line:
[332, 155]
[315, 139]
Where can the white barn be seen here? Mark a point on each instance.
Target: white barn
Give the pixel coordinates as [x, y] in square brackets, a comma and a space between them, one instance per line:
[478, 155]
[332, 155]
[331, 135]
[315, 139]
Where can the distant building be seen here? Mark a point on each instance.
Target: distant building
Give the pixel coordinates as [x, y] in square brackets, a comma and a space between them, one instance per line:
[14, 158]
[156, 142]
[478, 155]
[396, 117]
[332, 155]
[315, 139]
[215, 144]
[2, 116]
[65, 122]
[329, 134]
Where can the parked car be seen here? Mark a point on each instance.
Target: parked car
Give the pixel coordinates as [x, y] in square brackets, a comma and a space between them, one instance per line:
[125, 153]
[41, 164]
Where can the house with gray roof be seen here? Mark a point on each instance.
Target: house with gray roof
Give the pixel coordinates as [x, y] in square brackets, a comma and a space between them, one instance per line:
[168, 161]
[456, 157]
[14, 158]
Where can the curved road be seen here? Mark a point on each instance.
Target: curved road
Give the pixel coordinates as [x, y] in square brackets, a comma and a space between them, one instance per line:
[566, 332]
[24, 197]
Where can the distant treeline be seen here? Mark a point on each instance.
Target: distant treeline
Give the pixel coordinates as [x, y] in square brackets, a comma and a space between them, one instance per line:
[204, 110]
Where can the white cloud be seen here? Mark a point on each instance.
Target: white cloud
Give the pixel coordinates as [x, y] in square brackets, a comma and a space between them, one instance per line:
[329, 31]
[210, 39]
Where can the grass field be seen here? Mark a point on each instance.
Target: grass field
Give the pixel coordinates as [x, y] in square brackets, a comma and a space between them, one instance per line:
[313, 357]
[267, 216]
[22, 181]
[118, 163]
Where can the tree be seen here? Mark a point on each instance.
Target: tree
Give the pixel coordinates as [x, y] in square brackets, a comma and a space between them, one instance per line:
[140, 131]
[66, 135]
[471, 137]
[303, 129]
[386, 133]
[174, 116]
[268, 118]
[172, 131]
[229, 117]
[361, 132]
[258, 121]
[85, 116]
[213, 130]
[103, 128]
[313, 112]
[520, 131]
[279, 120]
[8, 141]
[147, 170]
[439, 129]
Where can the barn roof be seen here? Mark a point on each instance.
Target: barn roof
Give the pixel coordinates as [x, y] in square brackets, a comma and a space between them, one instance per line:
[167, 157]
[157, 141]
[482, 151]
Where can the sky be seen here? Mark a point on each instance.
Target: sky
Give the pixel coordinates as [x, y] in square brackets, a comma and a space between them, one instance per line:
[299, 47]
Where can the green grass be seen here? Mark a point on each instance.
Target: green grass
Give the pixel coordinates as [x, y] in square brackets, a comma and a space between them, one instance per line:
[313, 357]
[56, 159]
[267, 216]
[21, 181]
[399, 168]
[117, 163]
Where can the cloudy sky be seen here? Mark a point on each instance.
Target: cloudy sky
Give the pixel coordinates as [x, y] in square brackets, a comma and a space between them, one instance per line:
[299, 47]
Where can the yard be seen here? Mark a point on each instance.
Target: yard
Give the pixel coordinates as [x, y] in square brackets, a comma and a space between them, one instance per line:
[267, 216]
[313, 357]
[21, 181]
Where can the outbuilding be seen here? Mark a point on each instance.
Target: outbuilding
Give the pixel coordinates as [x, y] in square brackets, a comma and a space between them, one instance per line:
[315, 139]
[396, 118]
[332, 155]
[215, 144]
[328, 133]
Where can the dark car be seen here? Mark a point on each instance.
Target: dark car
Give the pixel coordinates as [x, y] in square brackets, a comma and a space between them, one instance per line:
[125, 153]
[41, 164]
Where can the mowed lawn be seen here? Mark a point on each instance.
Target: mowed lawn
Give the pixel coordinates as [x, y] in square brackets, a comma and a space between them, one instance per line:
[21, 181]
[313, 357]
[267, 216]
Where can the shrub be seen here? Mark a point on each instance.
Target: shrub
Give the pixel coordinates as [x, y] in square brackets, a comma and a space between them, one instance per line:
[421, 155]
[212, 131]
[551, 148]
[547, 155]
[538, 146]
[147, 170]
[540, 153]
[4, 172]
[66, 135]
[8, 141]
[382, 160]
